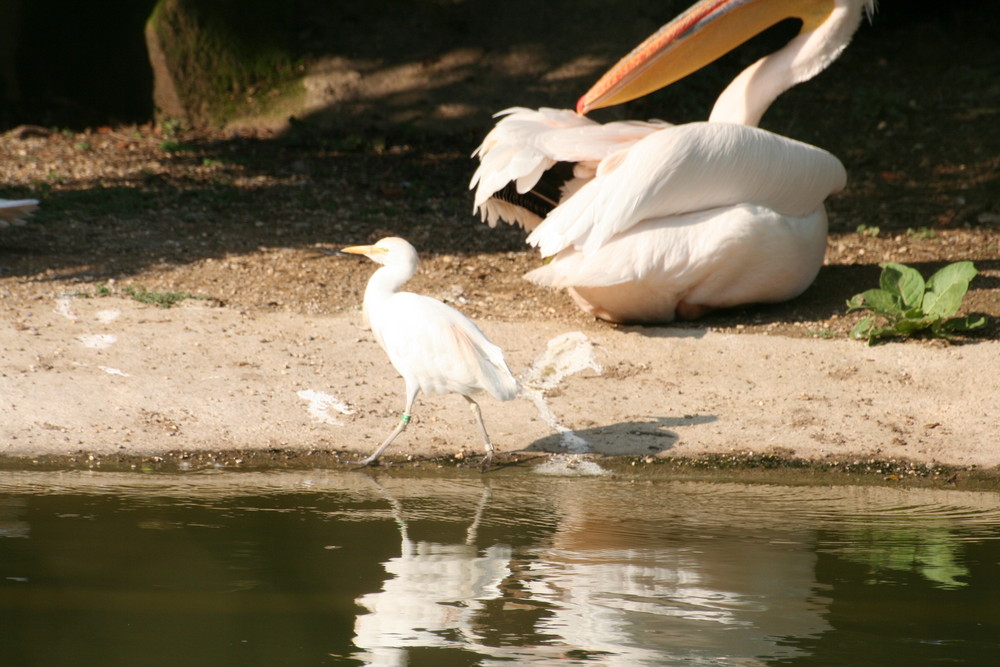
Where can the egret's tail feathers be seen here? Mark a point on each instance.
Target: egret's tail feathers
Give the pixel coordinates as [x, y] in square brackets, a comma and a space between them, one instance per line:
[492, 373]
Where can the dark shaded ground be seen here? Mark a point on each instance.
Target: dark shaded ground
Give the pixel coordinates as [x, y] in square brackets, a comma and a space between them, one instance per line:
[912, 109]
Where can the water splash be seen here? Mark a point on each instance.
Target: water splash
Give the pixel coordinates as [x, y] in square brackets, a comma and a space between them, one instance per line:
[562, 465]
[564, 355]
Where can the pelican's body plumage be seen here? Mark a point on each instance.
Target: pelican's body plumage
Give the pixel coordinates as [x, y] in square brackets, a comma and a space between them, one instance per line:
[672, 220]
[649, 221]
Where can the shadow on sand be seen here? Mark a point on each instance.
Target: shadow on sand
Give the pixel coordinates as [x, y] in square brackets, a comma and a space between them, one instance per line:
[631, 438]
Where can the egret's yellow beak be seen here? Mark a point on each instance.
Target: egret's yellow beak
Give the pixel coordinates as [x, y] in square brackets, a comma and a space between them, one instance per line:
[706, 31]
[366, 250]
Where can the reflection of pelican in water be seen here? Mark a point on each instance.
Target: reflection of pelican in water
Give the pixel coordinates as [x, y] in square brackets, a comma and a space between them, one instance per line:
[433, 593]
[623, 580]
[635, 590]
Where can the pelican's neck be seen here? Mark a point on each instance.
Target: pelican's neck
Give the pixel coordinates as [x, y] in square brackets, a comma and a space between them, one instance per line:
[750, 94]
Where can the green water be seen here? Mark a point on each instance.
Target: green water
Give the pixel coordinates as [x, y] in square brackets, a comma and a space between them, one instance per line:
[312, 568]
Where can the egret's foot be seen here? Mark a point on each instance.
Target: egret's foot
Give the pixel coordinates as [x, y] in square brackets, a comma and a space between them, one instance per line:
[486, 462]
[368, 462]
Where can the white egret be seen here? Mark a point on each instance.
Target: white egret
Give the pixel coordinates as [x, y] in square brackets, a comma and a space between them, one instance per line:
[13, 212]
[646, 221]
[434, 347]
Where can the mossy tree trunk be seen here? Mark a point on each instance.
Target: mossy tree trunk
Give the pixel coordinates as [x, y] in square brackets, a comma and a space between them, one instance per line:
[216, 60]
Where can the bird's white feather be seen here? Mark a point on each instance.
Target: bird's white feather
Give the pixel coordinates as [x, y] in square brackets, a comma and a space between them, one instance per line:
[655, 214]
[13, 212]
[433, 346]
[686, 169]
[439, 349]
[526, 142]
[714, 259]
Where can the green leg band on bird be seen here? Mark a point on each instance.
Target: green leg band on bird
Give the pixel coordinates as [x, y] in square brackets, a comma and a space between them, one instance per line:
[405, 418]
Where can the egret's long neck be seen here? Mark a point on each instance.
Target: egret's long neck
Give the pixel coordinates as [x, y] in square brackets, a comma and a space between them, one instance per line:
[750, 94]
[386, 281]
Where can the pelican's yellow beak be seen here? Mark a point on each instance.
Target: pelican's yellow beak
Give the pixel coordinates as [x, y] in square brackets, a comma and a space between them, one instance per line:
[706, 31]
[366, 250]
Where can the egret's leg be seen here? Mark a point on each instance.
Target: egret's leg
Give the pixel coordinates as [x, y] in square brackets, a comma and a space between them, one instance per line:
[411, 395]
[404, 420]
[486, 436]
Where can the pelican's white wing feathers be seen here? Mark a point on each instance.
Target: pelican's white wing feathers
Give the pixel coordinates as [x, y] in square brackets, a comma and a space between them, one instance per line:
[709, 259]
[13, 212]
[686, 169]
[525, 143]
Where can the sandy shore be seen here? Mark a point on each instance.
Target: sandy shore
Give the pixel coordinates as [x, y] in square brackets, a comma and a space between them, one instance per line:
[112, 376]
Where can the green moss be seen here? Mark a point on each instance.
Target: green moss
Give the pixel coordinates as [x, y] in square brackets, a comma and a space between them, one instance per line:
[230, 58]
[160, 298]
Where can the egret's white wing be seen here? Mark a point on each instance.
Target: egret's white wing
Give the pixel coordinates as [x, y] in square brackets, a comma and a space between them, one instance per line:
[442, 350]
[13, 212]
[689, 168]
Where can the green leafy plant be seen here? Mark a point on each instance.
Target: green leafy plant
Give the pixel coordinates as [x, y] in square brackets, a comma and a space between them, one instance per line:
[820, 333]
[171, 128]
[923, 233]
[909, 305]
[157, 297]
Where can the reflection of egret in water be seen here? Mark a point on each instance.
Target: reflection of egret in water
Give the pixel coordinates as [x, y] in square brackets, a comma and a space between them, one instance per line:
[614, 583]
[433, 593]
[660, 572]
